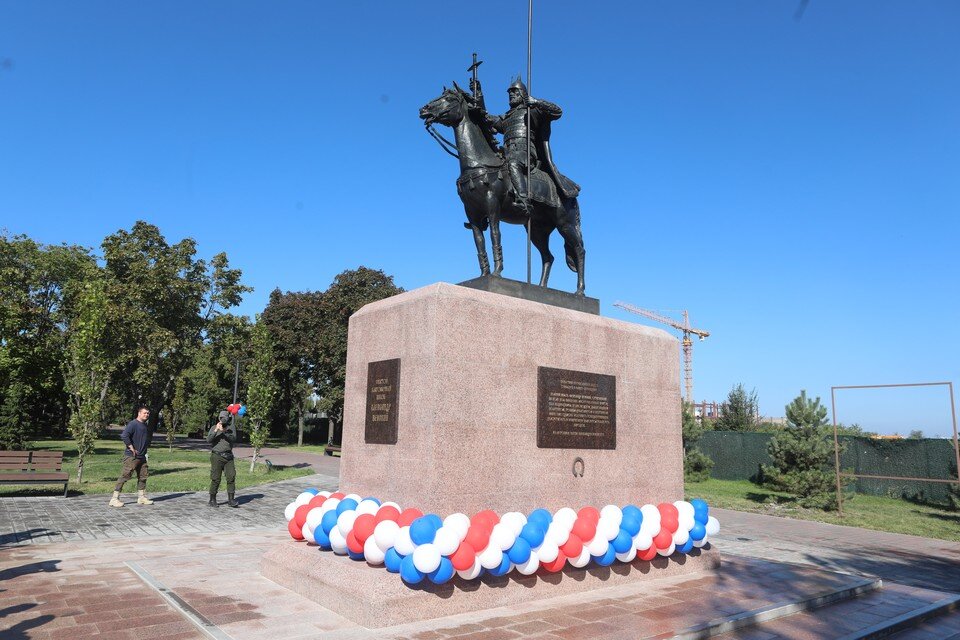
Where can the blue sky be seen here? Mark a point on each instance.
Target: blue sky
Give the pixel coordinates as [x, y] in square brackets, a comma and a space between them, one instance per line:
[793, 183]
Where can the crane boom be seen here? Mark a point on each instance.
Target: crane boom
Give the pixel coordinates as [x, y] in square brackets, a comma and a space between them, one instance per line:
[687, 343]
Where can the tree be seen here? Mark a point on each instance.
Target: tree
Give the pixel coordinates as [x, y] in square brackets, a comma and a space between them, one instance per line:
[696, 464]
[803, 453]
[263, 389]
[916, 434]
[739, 413]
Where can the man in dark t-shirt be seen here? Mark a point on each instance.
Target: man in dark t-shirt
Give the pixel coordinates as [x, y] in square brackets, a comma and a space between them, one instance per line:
[136, 436]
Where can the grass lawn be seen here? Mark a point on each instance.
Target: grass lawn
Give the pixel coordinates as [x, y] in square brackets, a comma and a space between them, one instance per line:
[169, 471]
[309, 448]
[868, 512]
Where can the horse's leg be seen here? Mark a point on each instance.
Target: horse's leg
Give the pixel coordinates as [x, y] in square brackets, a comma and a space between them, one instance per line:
[540, 231]
[569, 228]
[475, 227]
[493, 214]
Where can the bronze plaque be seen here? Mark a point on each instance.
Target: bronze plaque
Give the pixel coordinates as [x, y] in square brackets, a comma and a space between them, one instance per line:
[383, 396]
[576, 409]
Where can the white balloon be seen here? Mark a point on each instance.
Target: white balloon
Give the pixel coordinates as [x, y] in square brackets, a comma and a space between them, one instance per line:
[446, 540]
[459, 523]
[548, 551]
[713, 526]
[337, 542]
[612, 512]
[402, 543]
[581, 560]
[608, 528]
[325, 494]
[472, 572]
[700, 543]
[290, 511]
[353, 496]
[304, 498]
[598, 546]
[314, 516]
[426, 558]
[491, 557]
[368, 506]
[681, 536]
[642, 541]
[373, 554]
[668, 551]
[627, 556]
[307, 533]
[565, 516]
[502, 537]
[330, 504]
[345, 522]
[649, 528]
[684, 508]
[514, 520]
[558, 534]
[650, 512]
[385, 534]
[529, 567]
[391, 504]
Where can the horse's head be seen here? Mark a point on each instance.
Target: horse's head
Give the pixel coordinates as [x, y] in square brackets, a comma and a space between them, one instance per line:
[448, 109]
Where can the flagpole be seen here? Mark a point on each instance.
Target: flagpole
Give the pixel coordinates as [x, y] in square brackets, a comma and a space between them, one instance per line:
[529, 132]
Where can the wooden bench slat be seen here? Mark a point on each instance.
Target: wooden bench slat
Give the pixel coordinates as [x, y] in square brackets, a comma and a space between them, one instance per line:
[33, 467]
[15, 466]
[14, 455]
[55, 455]
[27, 478]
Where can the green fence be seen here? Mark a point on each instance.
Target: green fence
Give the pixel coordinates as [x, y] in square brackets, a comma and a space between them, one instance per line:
[738, 455]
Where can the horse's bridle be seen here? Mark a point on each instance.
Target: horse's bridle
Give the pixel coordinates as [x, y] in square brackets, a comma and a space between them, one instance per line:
[445, 144]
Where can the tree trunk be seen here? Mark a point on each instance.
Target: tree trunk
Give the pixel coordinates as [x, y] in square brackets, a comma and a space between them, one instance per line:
[79, 470]
[253, 460]
[300, 430]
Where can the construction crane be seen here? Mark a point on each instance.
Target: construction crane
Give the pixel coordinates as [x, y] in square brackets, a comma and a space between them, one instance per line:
[687, 342]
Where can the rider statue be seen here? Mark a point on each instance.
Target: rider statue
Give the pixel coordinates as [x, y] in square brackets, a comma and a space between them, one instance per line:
[513, 126]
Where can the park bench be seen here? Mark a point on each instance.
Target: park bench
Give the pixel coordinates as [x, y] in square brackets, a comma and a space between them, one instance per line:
[33, 467]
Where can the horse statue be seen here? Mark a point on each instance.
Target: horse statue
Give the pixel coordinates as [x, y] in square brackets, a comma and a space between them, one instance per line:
[485, 190]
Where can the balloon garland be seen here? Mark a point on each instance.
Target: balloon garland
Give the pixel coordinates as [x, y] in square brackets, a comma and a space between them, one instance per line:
[422, 546]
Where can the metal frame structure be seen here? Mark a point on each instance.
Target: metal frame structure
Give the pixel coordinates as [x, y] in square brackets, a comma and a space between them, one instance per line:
[836, 438]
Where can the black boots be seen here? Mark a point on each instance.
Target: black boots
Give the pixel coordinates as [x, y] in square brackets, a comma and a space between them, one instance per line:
[231, 501]
[213, 500]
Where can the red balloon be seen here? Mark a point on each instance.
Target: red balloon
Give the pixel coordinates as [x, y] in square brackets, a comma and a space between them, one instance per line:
[233, 408]
[668, 510]
[295, 532]
[573, 546]
[363, 527]
[663, 539]
[339, 495]
[670, 523]
[388, 512]
[648, 554]
[556, 565]
[488, 518]
[316, 501]
[478, 537]
[352, 543]
[462, 558]
[589, 513]
[408, 516]
[300, 515]
[584, 528]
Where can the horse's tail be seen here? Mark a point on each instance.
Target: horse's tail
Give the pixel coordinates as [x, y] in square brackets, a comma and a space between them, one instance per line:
[571, 256]
[572, 208]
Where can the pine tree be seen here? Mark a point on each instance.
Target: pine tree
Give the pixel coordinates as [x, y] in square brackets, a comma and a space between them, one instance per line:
[696, 464]
[803, 454]
[739, 412]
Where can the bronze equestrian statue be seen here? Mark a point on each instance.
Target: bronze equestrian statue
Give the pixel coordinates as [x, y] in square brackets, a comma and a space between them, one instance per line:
[493, 181]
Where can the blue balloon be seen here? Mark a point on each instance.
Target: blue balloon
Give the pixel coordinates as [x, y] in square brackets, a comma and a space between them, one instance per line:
[322, 539]
[435, 519]
[409, 573]
[541, 516]
[699, 531]
[503, 568]
[422, 530]
[355, 556]
[533, 533]
[312, 492]
[622, 543]
[631, 524]
[633, 511]
[701, 511]
[372, 499]
[606, 559]
[328, 522]
[443, 573]
[347, 504]
[519, 552]
[242, 411]
[686, 546]
[392, 560]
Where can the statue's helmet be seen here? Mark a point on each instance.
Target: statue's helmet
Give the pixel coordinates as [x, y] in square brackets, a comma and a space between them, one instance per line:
[519, 86]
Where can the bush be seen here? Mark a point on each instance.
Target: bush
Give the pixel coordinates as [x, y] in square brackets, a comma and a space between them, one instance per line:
[696, 466]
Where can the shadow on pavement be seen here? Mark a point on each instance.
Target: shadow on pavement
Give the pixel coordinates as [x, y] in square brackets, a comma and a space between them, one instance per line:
[244, 499]
[22, 536]
[938, 573]
[20, 631]
[170, 496]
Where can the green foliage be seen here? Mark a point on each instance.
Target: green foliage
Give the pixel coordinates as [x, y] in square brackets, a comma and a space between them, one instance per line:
[853, 430]
[803, 455]
[916, 434]
[696, 464]
[264, 390]
[13, 416]
[739, 413]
